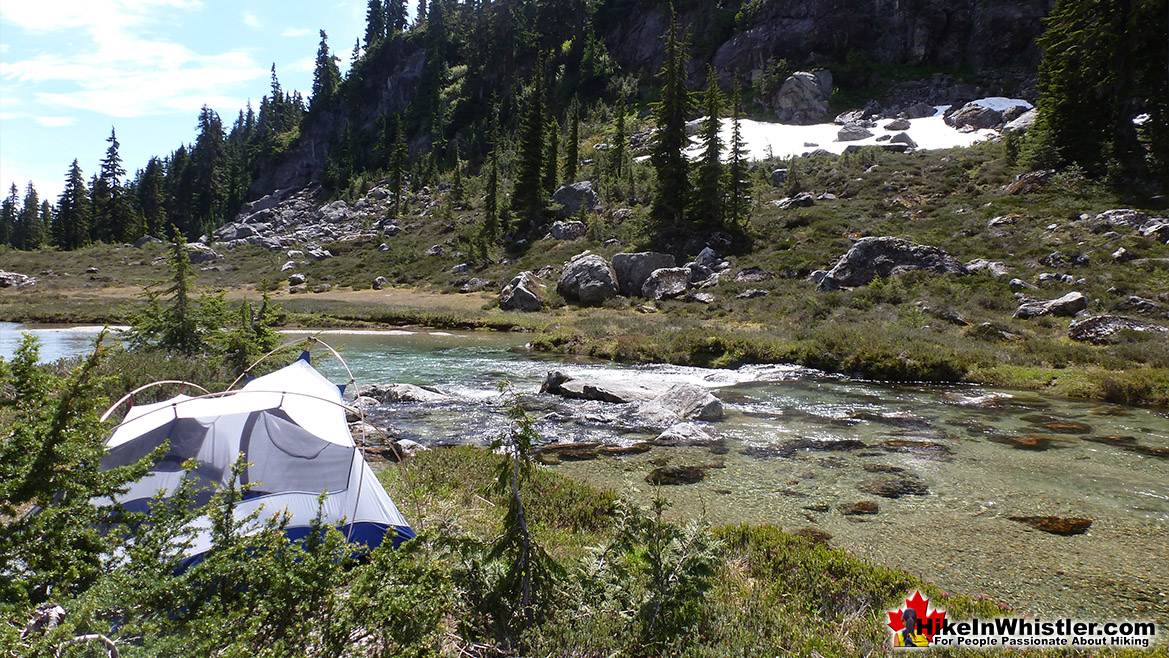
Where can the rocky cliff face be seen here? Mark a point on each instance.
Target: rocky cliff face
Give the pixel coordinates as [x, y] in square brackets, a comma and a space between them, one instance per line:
[974, 33]
[977, 34]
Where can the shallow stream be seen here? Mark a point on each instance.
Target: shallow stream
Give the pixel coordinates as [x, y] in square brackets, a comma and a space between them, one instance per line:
[966, 458]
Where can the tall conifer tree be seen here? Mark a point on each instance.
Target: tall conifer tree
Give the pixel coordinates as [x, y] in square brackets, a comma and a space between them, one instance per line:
[71, 225]
[672, 188]
[708, 183]
[619, 138]
[375, 23]
[552, 157]
[738, 188]
[326, 76]
[8, 216]
[527, 197]
[572, 145]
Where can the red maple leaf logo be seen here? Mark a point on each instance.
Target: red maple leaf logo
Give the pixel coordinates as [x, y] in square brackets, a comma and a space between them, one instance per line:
[931, 620]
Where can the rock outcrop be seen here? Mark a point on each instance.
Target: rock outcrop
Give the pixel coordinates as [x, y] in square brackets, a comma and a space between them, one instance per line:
[571, 198]
[803, 98]
[567, 230]
[587, 278]
[666, 283]
[885, 257]
[632, 270]
[1068, 305]
[16, 280]
[1102, 329]
[523, 293]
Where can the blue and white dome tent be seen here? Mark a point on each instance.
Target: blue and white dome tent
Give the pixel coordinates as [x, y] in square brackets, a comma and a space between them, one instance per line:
[289, 427]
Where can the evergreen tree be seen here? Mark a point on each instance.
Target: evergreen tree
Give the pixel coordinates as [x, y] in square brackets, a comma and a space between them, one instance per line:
[32, 233]
[552, 158]
[527, 197]
[208, 172]
[491, 223]
[396, 16]
[619, 139]
[8, 217]
[326, 76]
[707, 206]
[114, 217]
[398, 162]
[71, 225]
[667, 156]
[375, 23]
[180, 184]
[1104, 62]
[572, 146]
[457, 189]
[738, 188]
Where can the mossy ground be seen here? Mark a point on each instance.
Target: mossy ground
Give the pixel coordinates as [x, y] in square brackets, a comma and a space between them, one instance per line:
[889, 330]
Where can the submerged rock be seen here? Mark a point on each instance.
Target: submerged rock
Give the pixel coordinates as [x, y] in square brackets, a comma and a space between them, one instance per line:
[1056, 525]
[684, 434]
[673, 475]
[790, 448]
[580, 451]
[895, 485]
[814, 535]
[859, 507]
[1036, 442]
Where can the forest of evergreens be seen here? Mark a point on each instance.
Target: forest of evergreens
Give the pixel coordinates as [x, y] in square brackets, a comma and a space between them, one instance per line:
[517, 76]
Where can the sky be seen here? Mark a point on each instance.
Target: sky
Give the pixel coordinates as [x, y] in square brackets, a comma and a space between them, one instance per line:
[70, 70]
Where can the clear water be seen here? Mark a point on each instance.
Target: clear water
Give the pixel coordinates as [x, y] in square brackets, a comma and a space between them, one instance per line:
[958, 535]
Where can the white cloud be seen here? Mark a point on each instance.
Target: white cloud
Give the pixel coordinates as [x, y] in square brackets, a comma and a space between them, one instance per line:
[123, 73]
[54, 15]
[308, 64]
[56, 122]
[296, 32]
[251, 20]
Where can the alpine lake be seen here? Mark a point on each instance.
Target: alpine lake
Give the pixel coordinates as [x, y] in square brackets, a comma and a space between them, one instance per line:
[947, 466]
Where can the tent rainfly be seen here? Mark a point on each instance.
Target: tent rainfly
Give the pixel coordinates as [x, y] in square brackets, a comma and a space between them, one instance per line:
[290, 428]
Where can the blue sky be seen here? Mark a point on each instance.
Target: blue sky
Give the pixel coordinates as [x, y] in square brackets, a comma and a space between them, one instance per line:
[71, 69]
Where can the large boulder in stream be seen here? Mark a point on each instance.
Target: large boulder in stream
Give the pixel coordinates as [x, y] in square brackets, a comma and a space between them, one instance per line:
[680, 403]
[885, 257]
[587, 278]
[655, 408]
[402, 393]
[558, 383]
